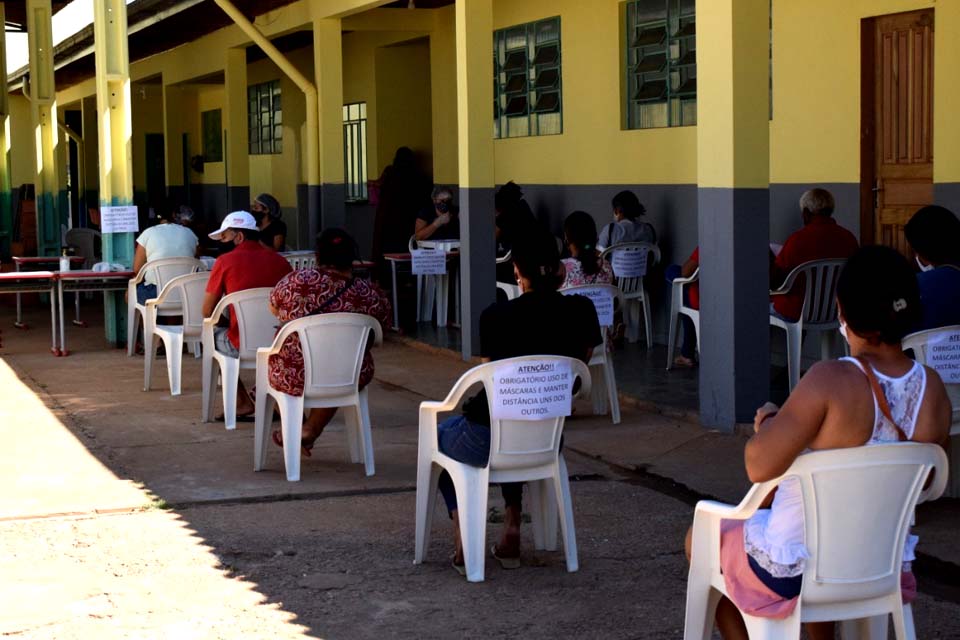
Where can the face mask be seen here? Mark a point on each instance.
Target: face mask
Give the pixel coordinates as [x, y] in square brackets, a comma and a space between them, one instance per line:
[443, 207]
[843, 331]
[923, 267]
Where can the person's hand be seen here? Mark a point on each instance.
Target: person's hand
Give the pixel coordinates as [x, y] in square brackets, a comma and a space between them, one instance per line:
[443, 219]
[766, 411]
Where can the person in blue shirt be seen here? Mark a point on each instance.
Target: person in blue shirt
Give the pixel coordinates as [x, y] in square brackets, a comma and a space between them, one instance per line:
[934, 235]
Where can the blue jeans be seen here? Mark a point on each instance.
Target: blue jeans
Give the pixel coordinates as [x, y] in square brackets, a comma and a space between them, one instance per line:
[688, 344]
[146, 292]
[469, 443]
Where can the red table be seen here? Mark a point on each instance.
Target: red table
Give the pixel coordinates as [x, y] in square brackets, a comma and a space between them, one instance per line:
[34, 282]
[78, 281]
[35, 261]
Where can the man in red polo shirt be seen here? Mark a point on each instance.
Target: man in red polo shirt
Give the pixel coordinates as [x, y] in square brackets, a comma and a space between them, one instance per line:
[248, 266]
[821, 238]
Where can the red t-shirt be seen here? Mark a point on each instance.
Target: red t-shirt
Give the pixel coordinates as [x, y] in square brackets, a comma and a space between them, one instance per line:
[821, 239]
[693, 289]
[248, 266]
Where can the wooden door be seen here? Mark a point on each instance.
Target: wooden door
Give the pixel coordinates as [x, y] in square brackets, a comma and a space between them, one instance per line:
[902, 76]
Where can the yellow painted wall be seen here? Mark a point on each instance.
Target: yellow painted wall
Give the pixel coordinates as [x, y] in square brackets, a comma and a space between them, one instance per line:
[443, 92]
[403, 102]
[22, 155]
[209, 96]
[593, 149]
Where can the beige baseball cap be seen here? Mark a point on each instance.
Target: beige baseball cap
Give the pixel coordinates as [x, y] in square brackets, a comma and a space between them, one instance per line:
[235, 220]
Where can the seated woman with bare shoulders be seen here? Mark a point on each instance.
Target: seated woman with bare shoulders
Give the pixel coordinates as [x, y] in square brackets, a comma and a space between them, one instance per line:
[877, 395]
[330, 287]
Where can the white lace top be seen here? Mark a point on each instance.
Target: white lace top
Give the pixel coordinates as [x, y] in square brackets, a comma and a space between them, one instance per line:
[774, 537]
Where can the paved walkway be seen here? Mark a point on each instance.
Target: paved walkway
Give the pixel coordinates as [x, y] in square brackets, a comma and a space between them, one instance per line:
[124, 516]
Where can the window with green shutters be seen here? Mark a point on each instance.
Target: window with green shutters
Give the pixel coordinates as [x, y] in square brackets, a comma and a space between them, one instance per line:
[527, 85]
[264, 115]
[661, 63]
[355, 151]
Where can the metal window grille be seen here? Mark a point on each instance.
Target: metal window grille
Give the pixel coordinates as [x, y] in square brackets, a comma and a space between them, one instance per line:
[355, 150]
[212, 135]
[527, 85]
[265, 118]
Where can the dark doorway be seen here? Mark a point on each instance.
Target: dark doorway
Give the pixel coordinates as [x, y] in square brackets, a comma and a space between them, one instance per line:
[156, 172]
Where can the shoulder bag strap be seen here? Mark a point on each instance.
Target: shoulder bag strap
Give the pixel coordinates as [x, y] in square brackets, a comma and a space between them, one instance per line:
[329, 301]
[880, 396]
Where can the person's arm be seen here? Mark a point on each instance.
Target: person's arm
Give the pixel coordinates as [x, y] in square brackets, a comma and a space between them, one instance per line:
[214, 290]
[139, 258]
[210, 301]
[424, 230]
[783, 435]
[782, 265]
[690, 266]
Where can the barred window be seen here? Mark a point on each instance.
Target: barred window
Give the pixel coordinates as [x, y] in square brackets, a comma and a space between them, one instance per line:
[265, 118]
[661, 63]
[355, 150]
[212, 135]
[527, 83]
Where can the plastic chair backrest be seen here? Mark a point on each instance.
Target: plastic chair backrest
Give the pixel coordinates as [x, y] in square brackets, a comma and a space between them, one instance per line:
[819, 301]
[518, 444]
[85, 242]
[858, 504]
[512, 291]
[333, 346]
[257, 326]
[635, 284]
[919, 342]
[301, 259]
[167, 269]
[190, 290]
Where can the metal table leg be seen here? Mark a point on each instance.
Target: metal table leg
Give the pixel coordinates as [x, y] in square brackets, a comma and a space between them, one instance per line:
[76, 310]
[19, 324]
[443, 297]
[56, 295]
[396, 312]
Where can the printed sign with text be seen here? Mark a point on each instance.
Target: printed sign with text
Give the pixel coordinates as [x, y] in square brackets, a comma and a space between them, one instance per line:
[119, 220]
[630, 263]
[429, 262]
[532, 390]
[943, 356]
[602, 300]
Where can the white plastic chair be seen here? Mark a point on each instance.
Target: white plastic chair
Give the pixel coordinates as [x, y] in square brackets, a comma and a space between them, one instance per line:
[678, 308]
[919, 343]
[604, 395]
[636, 297]
[853, 572]
[512, 291]
[333, 347]
[819, 310]
[163, 271]
[190, 290]
[520, 451]
[257, 327]
[426, 289]
[300, 259]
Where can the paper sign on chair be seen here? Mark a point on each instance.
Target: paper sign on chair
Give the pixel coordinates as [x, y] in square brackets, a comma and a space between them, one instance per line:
[630, 263]
[532, 390]
[428, 262]
[943, 356]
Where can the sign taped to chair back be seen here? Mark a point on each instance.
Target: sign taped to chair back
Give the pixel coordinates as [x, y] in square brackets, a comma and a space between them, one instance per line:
[943, 356]
[630, 263]
[428, 262]
[602, 299]
[532, 390]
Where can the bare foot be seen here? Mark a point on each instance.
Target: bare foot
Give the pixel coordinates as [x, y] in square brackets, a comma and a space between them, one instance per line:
[509, 545]
[684, 362]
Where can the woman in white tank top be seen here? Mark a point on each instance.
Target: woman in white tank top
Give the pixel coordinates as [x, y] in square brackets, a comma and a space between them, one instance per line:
[876, 395]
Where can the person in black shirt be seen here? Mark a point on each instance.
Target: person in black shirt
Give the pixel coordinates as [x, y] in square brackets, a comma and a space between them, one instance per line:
[514, 220]
[273, 230]
[440, 220]
[542, 321]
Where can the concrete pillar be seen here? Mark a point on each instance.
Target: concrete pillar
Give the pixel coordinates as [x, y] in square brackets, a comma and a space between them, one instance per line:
[114, 135]
[474, 28]
[173, 144]
[43, 107]
[733, 176]
[91, 156]
[328, 71]
[235, 143]
[6, 197]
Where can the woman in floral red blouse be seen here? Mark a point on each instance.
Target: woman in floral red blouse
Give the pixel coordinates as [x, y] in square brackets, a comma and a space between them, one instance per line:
[328, 288]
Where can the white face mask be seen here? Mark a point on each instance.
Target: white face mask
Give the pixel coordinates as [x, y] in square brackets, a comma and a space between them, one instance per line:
[843, 331]
[923, 267]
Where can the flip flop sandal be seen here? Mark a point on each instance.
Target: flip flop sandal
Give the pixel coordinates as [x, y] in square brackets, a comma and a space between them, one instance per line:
[459, 568]
[247, 417]
[505, 562]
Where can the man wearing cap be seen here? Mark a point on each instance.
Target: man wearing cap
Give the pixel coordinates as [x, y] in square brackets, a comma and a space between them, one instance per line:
[248, 266]
[273, 230]
[163, 240]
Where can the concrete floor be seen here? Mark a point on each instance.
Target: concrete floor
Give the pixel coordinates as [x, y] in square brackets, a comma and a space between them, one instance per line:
[125, 517]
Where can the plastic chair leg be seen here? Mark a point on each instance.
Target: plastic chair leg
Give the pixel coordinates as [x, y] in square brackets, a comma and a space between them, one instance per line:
[648, 320]
[197, 351]
[903, 621]
[672, 335]
[208, 384]
[351, 429]
[173, 344]
[149, 356]
[702, 600]
[563, 502]
[131, 328]
[631, 317]
[770, 629]
[429, 297]
[472, 488]
[598, 391]
[230, 380]
[794, 355]
[419, 297]
[610, 380]
[263, 422]
[542, 506]
[443, 299]
[874, 628]
[365, 432]
[428, 474]
[291, 427]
